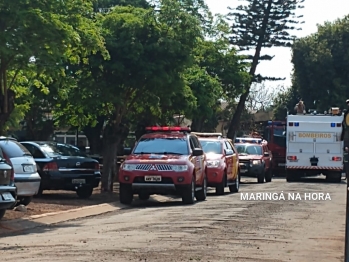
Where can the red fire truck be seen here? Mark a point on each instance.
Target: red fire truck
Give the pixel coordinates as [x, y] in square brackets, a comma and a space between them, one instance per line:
[275, 134]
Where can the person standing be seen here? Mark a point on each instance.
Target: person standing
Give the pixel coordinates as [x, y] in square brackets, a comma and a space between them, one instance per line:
[300, 107]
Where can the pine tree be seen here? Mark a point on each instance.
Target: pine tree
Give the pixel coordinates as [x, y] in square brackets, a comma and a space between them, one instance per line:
[261, 24]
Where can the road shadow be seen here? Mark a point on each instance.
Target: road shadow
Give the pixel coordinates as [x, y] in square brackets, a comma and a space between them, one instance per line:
[20, 227]
[153, 203]
[318, 180]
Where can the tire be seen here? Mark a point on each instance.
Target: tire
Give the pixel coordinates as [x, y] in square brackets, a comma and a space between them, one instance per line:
[143, 196]
[235, 188]
[268, 176]
[291, 177]
[25, 200]
[260, 177]
[2, 213]
[188, 194]
[202, 194]
[220, 188]
[334, 177]
[126, 194]
[84, 192]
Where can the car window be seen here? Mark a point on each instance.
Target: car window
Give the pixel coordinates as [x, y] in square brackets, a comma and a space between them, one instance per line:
[249, 149]
[196, 142]
[168, 145]
[58, 149]
[211, 146]
[13, 149]
[228, 145]
[35, 151]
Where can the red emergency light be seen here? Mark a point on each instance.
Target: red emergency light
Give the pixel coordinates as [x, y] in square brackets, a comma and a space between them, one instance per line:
[167, 128]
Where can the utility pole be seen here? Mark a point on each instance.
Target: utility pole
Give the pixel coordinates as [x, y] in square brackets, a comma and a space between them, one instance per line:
[346, 168]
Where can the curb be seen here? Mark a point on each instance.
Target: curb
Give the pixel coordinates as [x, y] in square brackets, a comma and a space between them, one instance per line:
[35, 221]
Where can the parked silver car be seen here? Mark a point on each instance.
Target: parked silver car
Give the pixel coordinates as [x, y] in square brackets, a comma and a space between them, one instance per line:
[7, 188]
[27, 179]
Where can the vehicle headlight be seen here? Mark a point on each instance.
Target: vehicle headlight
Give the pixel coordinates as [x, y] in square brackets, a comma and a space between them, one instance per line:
[256, 162]
[213, 163]
[129, 167]
[179, 168]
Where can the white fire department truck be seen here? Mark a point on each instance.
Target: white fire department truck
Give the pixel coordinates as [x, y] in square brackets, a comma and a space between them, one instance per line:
[314, 146]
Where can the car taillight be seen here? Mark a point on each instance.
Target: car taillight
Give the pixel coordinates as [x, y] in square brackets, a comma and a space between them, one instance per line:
[336, 158]
[97, 167]
[52, 166]
[12, 170]
[292, 158]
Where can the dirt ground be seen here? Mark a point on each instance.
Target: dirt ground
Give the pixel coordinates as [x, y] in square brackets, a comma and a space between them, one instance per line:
[54, 201]
[222, 228]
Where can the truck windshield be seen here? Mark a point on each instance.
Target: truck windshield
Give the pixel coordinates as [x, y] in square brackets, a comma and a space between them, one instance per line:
[248, 149]
[279, 137]
[211, 146]
[178, 146]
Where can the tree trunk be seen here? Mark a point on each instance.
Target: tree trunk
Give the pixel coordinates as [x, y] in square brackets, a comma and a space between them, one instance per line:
[113, 135]
[196, 125]
[235, 122]
[93, 135]
[7, 99]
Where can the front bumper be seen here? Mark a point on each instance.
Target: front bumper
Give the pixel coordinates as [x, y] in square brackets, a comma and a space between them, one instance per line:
[214, 176]
[27, 185]
[170, 183]
[7, 197]
[248, 169]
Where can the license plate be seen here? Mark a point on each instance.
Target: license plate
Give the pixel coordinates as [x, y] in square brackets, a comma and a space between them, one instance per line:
[152, 178]
[7, 196]
[28, 168]
[79, 181]
[243, 170]
[282, 164]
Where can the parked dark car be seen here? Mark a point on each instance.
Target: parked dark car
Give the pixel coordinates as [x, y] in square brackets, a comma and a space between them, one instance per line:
[7, 187]
[64, 167]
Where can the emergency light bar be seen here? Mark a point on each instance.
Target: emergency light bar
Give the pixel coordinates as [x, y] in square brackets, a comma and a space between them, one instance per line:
[276, 123]
[167, 128]
[248, 140]
[207, 134]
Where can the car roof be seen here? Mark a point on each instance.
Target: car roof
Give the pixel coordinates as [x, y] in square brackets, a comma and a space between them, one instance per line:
[7, 138]
[165, 135]
[249, 144]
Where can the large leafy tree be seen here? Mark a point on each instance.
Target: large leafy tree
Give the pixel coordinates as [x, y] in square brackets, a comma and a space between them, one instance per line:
[260, 24]
[149, 51]
[50, 31]
[321, 63]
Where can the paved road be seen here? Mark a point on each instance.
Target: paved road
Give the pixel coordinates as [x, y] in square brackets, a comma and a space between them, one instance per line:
[223, 228]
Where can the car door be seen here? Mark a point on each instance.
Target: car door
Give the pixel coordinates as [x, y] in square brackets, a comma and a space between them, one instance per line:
[235, 159]
[266, 158]
[229, 161]
[198, 161]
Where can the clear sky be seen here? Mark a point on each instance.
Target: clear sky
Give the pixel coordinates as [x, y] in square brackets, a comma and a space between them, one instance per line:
[314, 11]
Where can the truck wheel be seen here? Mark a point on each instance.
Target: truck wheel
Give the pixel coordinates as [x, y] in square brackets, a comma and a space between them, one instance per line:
[292, 176]
[220, 188]
[143, 196]
[201, 194]
[126, 194]
[188, 194]
[260, 177]
[235, 188]
[268, 175]
[334, 177]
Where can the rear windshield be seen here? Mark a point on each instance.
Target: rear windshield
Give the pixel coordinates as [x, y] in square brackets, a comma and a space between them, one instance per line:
[211, 146]
[54, 150]
[13, 149]
[178, 146]
[248, 149]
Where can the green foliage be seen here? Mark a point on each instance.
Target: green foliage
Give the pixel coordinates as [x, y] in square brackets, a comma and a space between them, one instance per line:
[321, 66]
